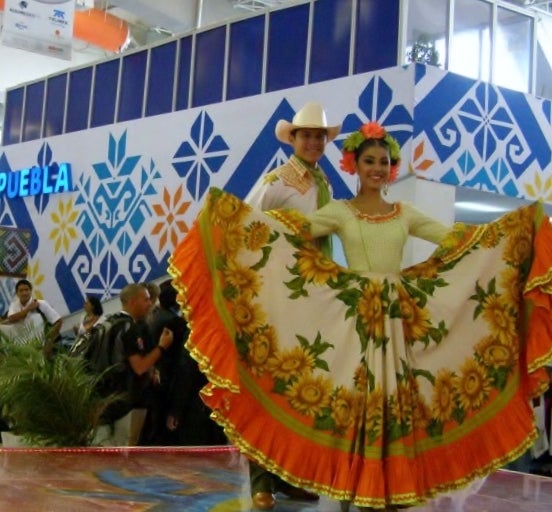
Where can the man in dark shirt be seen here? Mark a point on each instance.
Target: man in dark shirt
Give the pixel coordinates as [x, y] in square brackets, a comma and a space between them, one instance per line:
[135, 351]
[181, 416]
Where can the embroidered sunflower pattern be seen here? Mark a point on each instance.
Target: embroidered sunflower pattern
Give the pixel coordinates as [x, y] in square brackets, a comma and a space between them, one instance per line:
[302, 375]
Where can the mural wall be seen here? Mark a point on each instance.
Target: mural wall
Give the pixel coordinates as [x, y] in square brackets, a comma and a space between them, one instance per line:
[477, 135]
[137, 186]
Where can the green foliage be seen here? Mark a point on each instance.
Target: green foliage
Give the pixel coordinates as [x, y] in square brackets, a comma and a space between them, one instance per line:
[262, 262]
[353, 141]
[482, 295]
[325, 421]
[350, 298]
[317, 348]
[49, 399]
[297, 284]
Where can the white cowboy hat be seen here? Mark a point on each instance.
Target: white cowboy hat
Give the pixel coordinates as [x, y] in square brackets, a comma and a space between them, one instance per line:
[312, 115]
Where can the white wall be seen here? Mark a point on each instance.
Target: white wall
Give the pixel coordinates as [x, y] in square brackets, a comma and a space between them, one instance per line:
[434, 199]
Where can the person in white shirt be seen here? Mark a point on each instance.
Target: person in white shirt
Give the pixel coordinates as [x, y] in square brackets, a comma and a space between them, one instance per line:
[28, 316]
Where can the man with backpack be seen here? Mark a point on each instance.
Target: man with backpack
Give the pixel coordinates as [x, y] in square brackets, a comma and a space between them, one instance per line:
[122, 349]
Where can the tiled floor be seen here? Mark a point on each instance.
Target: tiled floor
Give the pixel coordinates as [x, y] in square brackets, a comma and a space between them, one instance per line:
[197, 480]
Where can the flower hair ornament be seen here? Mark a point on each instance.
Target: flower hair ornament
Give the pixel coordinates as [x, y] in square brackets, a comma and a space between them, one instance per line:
[371, 130]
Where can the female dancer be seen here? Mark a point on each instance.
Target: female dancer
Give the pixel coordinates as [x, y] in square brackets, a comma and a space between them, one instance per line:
[373, 385]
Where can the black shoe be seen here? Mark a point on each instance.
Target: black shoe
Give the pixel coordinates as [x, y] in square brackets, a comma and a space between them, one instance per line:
[345, 505]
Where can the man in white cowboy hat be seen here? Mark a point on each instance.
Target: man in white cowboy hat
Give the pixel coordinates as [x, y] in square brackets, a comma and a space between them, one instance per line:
[300, 181]
[300, 184]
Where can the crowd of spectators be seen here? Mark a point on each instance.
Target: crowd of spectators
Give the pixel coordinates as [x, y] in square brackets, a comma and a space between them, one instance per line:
[152, 369]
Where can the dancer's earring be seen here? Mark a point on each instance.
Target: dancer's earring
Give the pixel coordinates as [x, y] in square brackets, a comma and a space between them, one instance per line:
[385, 189]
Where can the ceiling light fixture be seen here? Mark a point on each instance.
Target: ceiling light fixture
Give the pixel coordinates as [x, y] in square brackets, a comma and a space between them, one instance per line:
[257, 5]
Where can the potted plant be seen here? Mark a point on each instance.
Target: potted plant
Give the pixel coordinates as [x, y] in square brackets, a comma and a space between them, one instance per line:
[48, 398]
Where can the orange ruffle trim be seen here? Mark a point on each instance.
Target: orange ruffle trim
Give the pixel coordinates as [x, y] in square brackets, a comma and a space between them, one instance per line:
[538, 301]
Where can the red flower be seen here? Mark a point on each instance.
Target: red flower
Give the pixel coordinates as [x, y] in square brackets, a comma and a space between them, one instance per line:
[373, 130]
[347, 163]
[394, 172]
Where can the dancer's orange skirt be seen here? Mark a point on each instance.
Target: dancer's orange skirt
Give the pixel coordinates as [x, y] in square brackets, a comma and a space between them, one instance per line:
[378, 389]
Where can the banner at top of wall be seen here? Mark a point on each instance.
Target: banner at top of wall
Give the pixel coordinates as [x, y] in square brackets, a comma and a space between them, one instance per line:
[40, 26]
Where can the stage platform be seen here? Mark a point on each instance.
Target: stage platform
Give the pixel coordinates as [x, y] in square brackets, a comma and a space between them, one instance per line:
[213, 479]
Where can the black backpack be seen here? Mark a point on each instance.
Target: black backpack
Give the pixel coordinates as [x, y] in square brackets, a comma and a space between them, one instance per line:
[97, 345]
